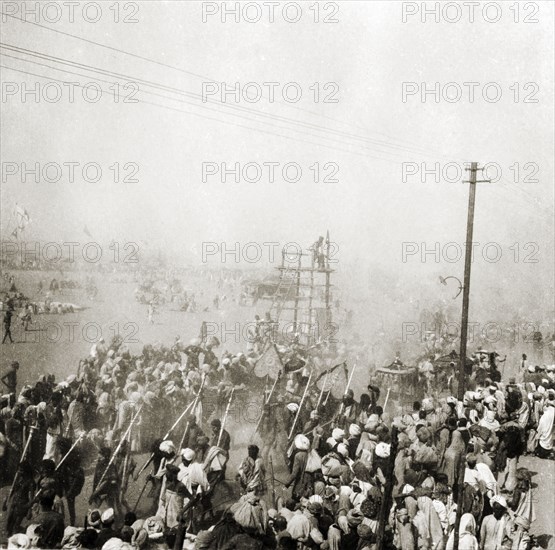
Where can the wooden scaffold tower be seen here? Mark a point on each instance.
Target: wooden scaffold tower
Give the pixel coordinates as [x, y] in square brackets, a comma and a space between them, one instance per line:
[301, 304]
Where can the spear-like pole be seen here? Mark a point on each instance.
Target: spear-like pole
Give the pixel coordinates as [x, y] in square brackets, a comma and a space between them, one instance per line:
[15, 479]
[149, 459]
[386, 399]
[115, 453]
[195, 402]
[273, 482]
[225, 417]
[126, 465]
[300, 407]
[265, 403]
[347, 389]
[75, 443]
[322, 391]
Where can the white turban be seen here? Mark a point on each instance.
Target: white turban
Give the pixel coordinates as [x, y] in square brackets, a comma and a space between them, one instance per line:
[188, 454]
[338, 434]
[113, 543]
[293, 407]
[167, 446]
[301, 442]
[342, 450]
[136, 397]
[107, 515]
[383, 450]
[19, 541]
[354, 430]
[499, 500]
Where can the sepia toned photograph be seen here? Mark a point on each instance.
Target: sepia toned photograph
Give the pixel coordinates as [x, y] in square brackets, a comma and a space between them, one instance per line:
[277, 275]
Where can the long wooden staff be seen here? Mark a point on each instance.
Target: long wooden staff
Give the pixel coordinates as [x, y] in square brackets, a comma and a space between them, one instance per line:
[125, 466]
[225, 417]
[75, 443]
[322, 391]
[140, 495]
[300, 407]
[265, 403]
[149, 459]
[195, 402]
[15, 479]
[386, 399]
[273, 483]
[347, 389]
[115, 453]
[320, 426]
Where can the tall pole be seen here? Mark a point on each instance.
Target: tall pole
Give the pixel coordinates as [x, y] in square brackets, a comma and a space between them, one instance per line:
[310, 297]
[292, 431]
[464, 327]
[466, 283]
[327, 265]
[297, 292]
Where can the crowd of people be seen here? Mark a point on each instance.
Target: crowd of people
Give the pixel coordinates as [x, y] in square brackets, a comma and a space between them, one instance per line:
[318, 472]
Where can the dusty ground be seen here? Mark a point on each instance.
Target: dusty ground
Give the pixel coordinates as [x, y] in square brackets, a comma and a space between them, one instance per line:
[64, 339]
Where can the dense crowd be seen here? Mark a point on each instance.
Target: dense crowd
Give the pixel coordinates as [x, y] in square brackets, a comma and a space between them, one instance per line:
[355, 477]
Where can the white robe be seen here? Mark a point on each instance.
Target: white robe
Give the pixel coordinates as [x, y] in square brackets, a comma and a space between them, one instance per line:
[545, 428]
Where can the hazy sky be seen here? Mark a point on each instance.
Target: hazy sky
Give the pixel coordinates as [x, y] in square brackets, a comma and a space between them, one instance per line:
[369, 133]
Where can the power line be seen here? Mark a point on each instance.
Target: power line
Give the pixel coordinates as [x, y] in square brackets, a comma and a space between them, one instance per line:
[198, 96]
[365, 155]
[419, 150]
[530, 198]
[117, 75]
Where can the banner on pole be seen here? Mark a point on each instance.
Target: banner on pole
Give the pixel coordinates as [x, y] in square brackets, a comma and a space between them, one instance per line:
[335, 382]
[268, 364]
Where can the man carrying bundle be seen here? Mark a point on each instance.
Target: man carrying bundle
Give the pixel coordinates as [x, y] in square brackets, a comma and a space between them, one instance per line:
[251, 473]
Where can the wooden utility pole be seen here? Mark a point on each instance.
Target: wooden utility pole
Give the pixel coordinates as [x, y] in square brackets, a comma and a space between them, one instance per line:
[464, 327]
[466, 283]
[467, 266]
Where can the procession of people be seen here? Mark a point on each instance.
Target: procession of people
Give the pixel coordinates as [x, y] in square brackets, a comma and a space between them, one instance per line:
[321, 469]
